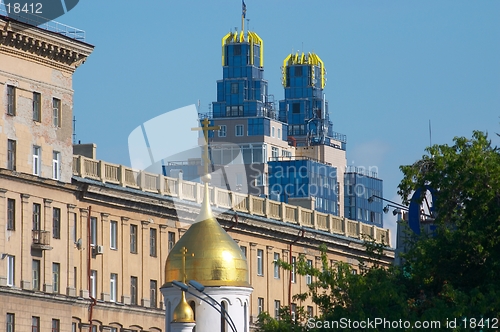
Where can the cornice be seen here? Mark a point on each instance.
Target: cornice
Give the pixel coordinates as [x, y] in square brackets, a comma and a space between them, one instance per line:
[250, 225]
[42, 46]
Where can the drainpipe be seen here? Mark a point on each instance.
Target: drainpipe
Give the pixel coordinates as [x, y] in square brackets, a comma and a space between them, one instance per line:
[234, 218]
[299, 236]
[89, 253]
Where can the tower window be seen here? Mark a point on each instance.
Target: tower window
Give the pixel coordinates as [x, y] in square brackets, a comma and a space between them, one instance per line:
[298, 71]
[237, 50]
[239, 130]
[234, 88]
[296, 108]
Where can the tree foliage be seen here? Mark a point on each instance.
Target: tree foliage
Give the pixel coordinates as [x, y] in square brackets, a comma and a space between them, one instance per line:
[452, 273]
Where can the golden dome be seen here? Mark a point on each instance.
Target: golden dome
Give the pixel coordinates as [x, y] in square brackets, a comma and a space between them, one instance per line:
[212, 257]
[183, 313]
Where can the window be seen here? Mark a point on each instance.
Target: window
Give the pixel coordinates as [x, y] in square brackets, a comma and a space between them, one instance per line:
[260, 303]
[294, 261]
[308, 276]
[234, 88]
[37, 107]
[354, 271]
[261, 180]
[113, 234]
[260, 262]
[293, 310]
[279, 133]
[298, 71]
[277, 306]
[11, 267]
[275, 152]
[93, 283]
[55, 277]
[237, 49]
[11, 322]
[133, 290]
[56, 223]
[222, 131]
[276, 266]
[11, 100]
[75, 275]
[56, 112]
[36, 160]
[35, 266]
[35, 324]
[73, 327]
[153, 286]
[244, 251]
[296, 108]
[55, 325]
[152, 242]
[239, 130]
[309, 311]
[93, 231]
[36, 216]
[171, 240]
[75, 226]
[56, 165]
[11, 214]
[272, 131]
[113, 287]
[11, 155]
[133, 239]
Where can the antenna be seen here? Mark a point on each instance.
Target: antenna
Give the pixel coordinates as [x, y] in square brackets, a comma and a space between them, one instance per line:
[74, 129]
[248, 24]
[430, 133]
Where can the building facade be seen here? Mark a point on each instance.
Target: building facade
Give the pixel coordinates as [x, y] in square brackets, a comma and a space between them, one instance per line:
[83, 243]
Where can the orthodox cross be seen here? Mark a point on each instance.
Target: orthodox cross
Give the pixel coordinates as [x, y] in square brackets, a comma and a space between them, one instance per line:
[183, 255]
[206, 128]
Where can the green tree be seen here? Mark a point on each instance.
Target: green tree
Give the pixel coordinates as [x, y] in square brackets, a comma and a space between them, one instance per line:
[456, 270]
[453, 273]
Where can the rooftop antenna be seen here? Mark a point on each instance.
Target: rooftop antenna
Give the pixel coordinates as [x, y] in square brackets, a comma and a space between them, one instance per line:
[248, 24]
[430, 133]
[243, 15]
[74, 129]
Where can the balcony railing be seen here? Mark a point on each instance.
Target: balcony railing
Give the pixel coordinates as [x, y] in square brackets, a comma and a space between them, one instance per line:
[191, 191]
[41, 240]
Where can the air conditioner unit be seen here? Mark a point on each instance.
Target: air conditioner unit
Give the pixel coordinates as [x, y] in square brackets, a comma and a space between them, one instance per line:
[99, 250]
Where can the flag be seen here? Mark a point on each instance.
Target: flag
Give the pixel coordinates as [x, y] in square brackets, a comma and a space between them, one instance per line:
[243, 9]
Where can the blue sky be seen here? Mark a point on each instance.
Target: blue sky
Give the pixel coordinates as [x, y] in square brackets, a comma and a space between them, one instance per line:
[391, 67]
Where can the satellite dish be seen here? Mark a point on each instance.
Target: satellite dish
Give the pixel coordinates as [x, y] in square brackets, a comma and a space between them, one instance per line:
[79, 243]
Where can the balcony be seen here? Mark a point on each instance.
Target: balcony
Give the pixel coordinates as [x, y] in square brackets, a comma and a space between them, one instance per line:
[41, 240]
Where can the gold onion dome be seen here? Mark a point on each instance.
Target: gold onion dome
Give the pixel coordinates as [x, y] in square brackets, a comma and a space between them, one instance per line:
[183, 313]
[212, 257]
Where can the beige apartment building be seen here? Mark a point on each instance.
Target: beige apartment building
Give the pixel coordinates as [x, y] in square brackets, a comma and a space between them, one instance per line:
[83, 240]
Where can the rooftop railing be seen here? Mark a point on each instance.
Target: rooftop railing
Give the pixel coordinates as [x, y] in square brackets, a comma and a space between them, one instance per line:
[192, 191]
[43, 23]
[361, 171]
